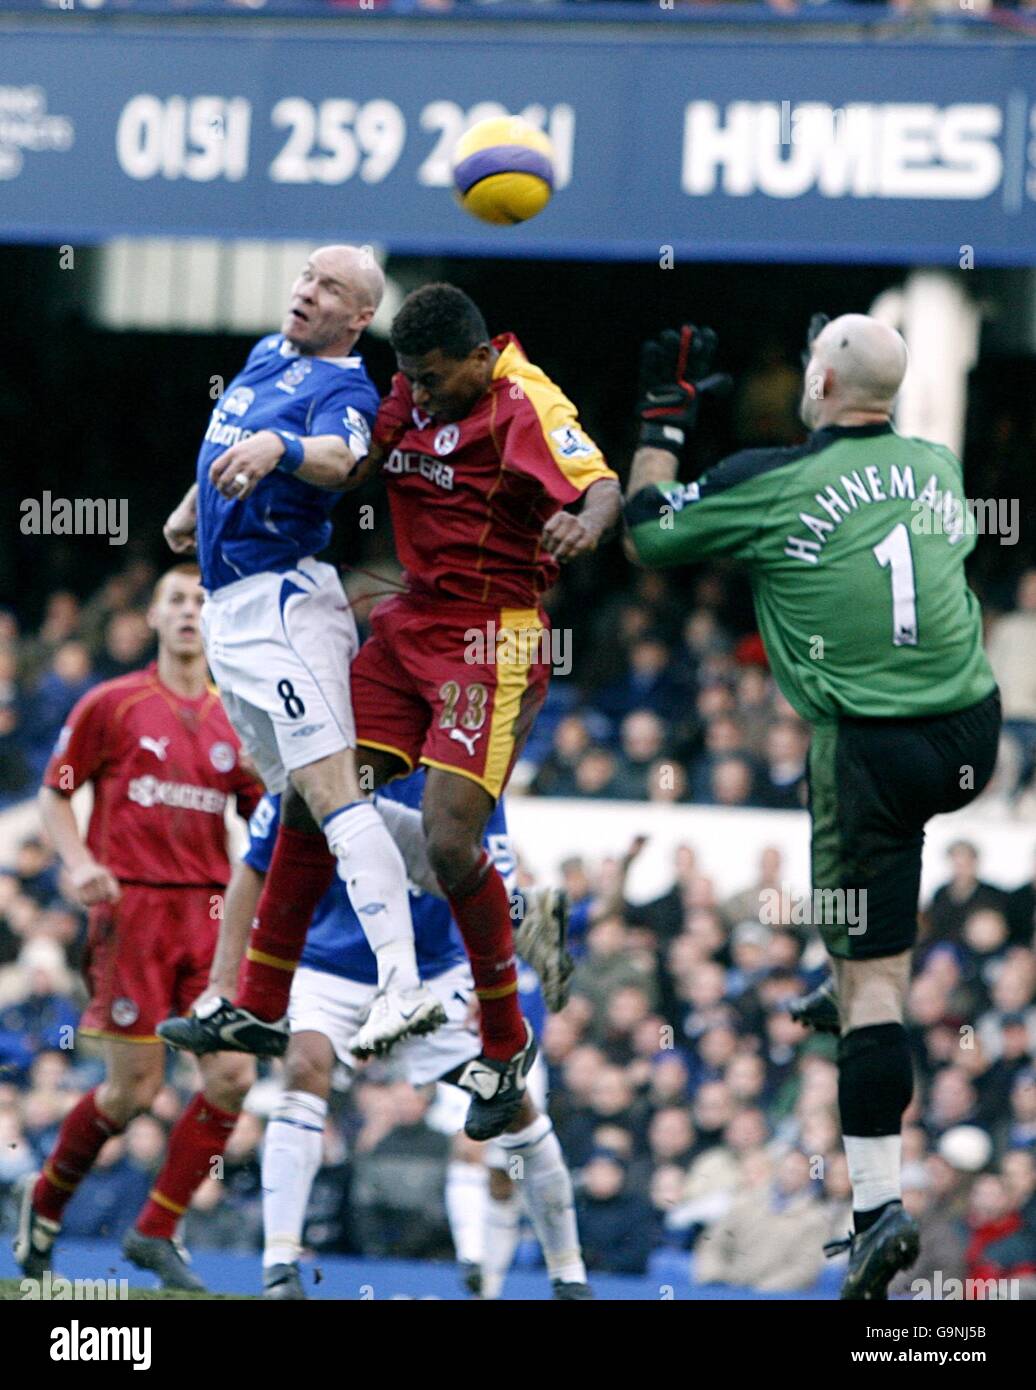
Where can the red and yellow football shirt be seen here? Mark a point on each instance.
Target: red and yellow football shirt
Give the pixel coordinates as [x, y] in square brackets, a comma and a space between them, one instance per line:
[469, 499]
[163, 768]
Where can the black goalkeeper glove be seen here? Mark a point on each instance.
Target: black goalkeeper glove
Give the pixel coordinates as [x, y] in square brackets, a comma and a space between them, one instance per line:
[674, 375]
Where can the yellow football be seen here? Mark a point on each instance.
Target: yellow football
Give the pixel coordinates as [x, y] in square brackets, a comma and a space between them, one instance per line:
[503, 170]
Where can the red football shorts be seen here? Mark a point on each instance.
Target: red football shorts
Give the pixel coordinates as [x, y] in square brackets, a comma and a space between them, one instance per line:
[148, 956]
[451, 689]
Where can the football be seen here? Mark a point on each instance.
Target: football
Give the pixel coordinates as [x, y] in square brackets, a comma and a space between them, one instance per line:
[503, 170]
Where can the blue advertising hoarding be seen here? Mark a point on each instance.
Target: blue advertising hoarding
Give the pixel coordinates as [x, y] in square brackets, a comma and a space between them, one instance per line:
[747, 149]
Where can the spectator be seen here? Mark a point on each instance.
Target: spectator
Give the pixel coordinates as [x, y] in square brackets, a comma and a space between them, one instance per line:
[595, 775]
[1021, 1133]
[730, 782]
[783, 782]
[964, 893]
[1021, 912]
[1012, 654]
[398, 1185]
[641, 736]
[651, 682]
[127, 642]
[557, 774]
[772, 1236]
[44, 1016]
[70, 676]
[616, 1226]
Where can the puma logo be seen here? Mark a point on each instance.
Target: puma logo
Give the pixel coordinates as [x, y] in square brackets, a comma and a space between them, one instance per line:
[468, 740]
[157, 746]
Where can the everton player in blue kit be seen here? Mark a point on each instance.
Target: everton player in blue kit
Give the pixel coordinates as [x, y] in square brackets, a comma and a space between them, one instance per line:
[333, 988]
[283, 441]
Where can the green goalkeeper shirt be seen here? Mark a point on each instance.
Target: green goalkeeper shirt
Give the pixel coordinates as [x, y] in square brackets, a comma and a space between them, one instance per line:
[855, 543]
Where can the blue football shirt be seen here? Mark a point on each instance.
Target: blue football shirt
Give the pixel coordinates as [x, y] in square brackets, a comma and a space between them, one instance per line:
[285, 519]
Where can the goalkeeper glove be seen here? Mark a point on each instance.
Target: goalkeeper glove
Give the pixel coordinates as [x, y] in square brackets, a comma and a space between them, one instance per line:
[817, 324]
[674, 375]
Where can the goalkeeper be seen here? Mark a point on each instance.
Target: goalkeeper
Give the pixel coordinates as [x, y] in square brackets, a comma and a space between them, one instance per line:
[855, 542]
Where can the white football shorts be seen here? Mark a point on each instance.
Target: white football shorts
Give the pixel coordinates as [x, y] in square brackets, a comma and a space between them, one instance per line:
[330, 1004]
[279, 647]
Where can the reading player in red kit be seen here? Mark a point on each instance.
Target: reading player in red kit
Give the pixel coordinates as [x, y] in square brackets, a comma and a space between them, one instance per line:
[481, 453]
[163, 761]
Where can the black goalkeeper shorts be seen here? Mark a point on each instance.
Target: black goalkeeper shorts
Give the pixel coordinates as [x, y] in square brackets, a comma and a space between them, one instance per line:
[873, 784]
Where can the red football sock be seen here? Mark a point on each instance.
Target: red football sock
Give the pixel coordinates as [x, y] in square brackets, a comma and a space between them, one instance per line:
[301, 871]
[199, 1136]
[83, 1134]
[482, 910]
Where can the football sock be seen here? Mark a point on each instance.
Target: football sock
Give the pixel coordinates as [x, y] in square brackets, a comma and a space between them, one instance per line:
[292, 1152]
[84, 1132]
[199, 1136]
[301, 871]
[482, 911]
[541, 1176]
[406, 826]
[875, 1084]
[374, 875]
[467, 1192]
[503, 1226]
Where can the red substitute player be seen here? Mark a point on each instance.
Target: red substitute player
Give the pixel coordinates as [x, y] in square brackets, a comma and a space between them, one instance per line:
[164, 761]
[481, 452]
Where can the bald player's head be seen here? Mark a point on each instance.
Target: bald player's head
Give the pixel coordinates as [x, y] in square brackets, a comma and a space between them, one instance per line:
[333, 300]
[855, 370]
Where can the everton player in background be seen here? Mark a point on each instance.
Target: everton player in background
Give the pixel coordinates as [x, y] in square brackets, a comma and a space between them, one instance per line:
[163, 761]
[855, 542]
[330, 995]
[279, 634]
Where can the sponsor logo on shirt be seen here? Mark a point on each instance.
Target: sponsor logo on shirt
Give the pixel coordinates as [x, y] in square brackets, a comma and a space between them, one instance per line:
[294, 376]
[149, 791]
[158, 746]
[219, 432]
[572, 443]
[238, 401]
[409, 461]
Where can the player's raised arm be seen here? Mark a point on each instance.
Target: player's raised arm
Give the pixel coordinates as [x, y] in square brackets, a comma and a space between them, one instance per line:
[325, 461]
[569, 534]
[674, 523]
